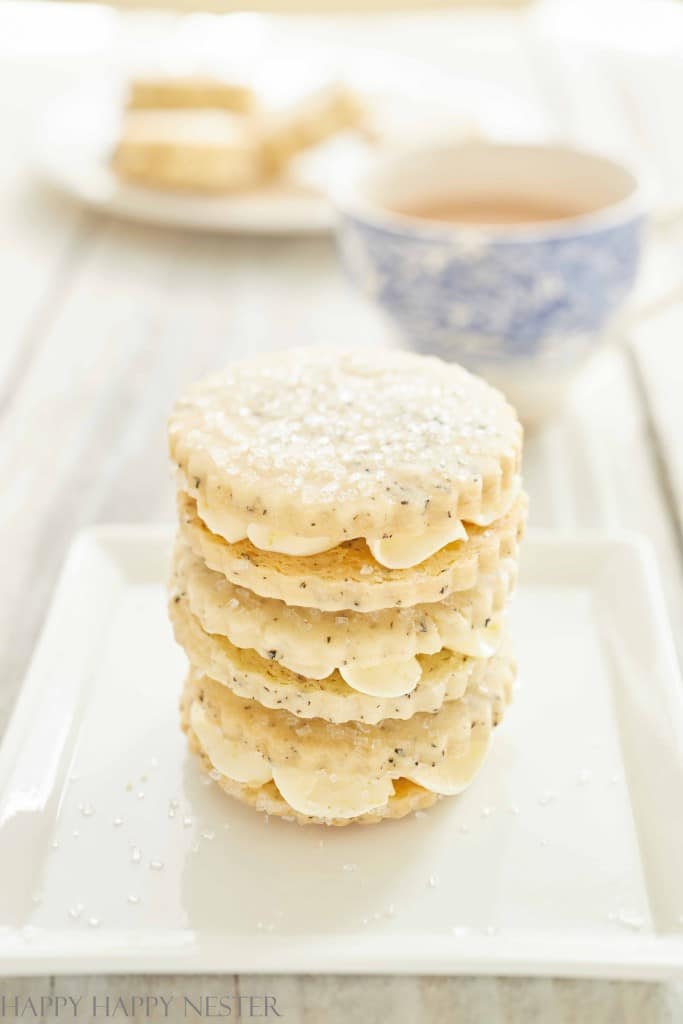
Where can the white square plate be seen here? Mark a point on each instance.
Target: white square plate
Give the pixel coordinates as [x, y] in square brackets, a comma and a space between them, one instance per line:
[564, 857]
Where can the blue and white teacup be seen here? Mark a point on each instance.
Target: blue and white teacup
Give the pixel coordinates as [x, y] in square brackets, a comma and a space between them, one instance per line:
[523, 303]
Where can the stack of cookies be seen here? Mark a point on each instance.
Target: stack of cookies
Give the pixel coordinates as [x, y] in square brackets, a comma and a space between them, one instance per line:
[349, 526]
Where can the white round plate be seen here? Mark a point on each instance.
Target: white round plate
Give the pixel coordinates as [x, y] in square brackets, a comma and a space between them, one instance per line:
[409, 102]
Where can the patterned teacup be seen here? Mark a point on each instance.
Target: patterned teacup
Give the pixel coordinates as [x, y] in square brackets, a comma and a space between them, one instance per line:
[510, 259]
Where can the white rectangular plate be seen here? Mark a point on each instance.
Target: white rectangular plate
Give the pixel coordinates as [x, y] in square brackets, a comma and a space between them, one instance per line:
[564, 857]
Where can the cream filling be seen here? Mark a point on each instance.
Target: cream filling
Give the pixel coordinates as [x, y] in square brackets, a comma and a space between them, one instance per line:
[286, 544]
[400, 552]
[322, 794]
[404, 552]
[227, 524]
[235, 528]
[229, 757]
[394, 677]
[455, 774]
[391, 552]
[475, 643]
[389, 679]
[486, 518]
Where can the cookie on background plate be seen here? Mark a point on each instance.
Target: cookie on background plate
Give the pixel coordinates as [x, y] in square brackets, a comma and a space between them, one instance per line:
[189, 92]
[189, 150]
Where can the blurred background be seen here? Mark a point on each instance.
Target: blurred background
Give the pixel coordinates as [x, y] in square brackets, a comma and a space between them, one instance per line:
[119, 291]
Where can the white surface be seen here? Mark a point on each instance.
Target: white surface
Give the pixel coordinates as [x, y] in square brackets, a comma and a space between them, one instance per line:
[407, 100]
[563, 857]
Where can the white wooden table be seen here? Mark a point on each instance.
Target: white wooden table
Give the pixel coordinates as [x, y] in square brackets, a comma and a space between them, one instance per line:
[104, 323]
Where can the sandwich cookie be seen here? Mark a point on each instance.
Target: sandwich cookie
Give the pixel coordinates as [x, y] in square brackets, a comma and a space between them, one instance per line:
[347, 576]
[375, 652]
[444, 676]
[302, 450]
[329, 773]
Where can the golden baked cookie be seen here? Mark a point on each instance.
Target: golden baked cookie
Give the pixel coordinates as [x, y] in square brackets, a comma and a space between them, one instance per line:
[375, 652]
[301, 450]
[347, 576]
[190, 92]
[332, 772]
[189, 150]
[308, 122]
[406, 798]
[444, 676]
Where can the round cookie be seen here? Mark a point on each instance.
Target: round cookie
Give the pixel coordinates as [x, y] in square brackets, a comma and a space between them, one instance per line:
[392, 747]
[193, 92]
[291, 756]
[408, 797]
[192, 150]
[304, 449]
[445, 676]
[347, 576]
[314, 643]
